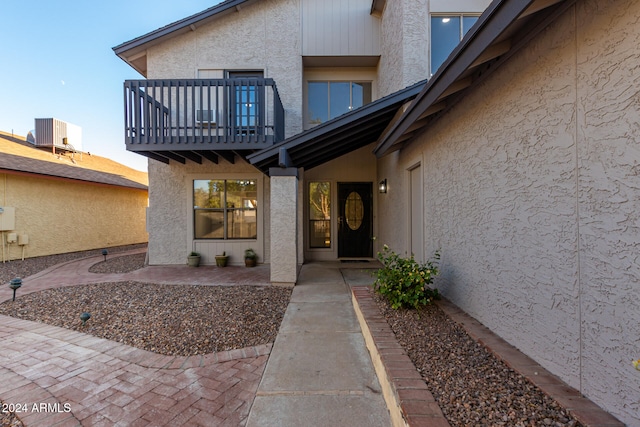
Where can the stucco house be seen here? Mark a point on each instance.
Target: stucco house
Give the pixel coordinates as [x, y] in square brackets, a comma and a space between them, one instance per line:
[320, 130]
[58, 202]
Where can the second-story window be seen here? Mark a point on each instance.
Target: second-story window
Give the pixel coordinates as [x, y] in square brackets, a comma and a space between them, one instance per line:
[329, 99]
[446, 33]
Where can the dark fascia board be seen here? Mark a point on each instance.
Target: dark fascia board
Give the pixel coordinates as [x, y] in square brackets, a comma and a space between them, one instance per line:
[349, 119]
[177, 27]
[377, 6]
[494, 21]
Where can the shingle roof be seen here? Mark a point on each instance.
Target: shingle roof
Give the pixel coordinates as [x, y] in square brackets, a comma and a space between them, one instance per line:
[20, 157]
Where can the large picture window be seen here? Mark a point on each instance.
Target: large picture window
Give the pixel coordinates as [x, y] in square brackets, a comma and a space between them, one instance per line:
[320, 214]
[446, 33]
[225, 209]
[329, 99]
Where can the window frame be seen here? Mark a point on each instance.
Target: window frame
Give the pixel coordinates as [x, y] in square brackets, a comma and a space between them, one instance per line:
[329, 81]
[461, 32]
[225, 209]
[311, 221]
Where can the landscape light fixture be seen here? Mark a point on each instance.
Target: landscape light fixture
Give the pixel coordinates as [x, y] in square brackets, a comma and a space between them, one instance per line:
[382, 186]
[15, 284]
[105, 253]
[84, 317]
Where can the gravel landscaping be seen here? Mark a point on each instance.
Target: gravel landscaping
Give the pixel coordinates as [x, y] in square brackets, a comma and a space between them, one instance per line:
[165, 319]
[471, 386]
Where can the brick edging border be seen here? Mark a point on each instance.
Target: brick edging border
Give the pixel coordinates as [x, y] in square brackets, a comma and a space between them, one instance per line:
[408, 399]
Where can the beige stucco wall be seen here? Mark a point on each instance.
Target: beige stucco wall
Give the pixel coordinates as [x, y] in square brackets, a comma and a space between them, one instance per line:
[406, 40]
[404, 45]
[531, 193]
[60, 216]
[171, 212]
[262, 36]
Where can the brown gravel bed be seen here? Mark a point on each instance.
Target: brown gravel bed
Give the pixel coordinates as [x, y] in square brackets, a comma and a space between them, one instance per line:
[166, 319]
[177, 320]
[471, 386]
[30, 266]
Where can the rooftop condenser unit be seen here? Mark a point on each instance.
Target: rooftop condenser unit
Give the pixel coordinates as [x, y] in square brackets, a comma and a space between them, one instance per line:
[54, 133]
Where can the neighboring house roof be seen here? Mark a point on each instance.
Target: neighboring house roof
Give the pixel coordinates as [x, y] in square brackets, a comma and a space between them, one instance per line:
[133, 52]
[338, 136]
[21, 158]
[503, 29]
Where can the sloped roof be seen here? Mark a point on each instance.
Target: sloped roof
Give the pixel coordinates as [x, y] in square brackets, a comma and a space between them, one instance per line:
[338, 136]
[20, 157]
[133, 51]
[503, 29]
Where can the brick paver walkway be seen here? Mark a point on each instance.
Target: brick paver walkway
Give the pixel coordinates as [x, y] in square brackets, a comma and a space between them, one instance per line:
[76, 379]
[58, 377]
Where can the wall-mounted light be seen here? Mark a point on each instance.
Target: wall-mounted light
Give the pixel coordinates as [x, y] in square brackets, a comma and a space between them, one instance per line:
[382, 186]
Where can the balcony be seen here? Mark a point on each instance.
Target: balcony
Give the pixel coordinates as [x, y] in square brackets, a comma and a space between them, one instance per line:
[181, 119]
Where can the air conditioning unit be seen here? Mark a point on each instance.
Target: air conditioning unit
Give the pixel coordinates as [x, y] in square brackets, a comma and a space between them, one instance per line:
[206, 117]
[56, 133]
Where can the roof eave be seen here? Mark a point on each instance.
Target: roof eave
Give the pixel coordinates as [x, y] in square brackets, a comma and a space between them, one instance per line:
[497, 18]
[346, 120]
[138, 45]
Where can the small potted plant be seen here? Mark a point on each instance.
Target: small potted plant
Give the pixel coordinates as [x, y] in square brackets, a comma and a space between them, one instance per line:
[193, 260]
[250, 257]
[221, 260]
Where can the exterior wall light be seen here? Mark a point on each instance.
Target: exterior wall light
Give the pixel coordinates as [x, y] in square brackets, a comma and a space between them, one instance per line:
[382, 186]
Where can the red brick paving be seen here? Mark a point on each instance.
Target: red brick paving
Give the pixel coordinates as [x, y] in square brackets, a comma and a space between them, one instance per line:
[116, 388]
[106, 383]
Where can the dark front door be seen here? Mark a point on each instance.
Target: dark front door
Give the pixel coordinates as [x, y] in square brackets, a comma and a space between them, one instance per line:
[355, 219]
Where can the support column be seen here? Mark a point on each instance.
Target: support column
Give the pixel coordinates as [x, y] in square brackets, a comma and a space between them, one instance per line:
[284, 226]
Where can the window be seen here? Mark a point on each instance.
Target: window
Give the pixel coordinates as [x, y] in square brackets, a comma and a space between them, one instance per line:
[446, 33]
[329, 99]
[320, 214]
[246, 102]
[225, 209]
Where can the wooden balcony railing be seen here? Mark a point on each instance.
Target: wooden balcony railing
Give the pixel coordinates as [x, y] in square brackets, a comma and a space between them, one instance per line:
[202, 114]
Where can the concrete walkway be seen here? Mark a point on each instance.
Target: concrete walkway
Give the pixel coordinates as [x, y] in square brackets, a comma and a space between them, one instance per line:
[319, 372]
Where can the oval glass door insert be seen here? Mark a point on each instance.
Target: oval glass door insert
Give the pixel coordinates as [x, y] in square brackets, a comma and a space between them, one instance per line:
[354, 210]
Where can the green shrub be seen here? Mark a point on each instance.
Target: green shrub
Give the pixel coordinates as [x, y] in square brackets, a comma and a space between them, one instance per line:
[404, 281]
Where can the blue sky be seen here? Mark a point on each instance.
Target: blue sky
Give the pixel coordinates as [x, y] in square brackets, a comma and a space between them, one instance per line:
[56, 61]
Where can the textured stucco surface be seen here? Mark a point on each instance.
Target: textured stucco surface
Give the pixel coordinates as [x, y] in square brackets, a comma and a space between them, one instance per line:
[406, 39]
[531, 194]
[284, 229]
[262, 36]
[65, 216]
[171, 212]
